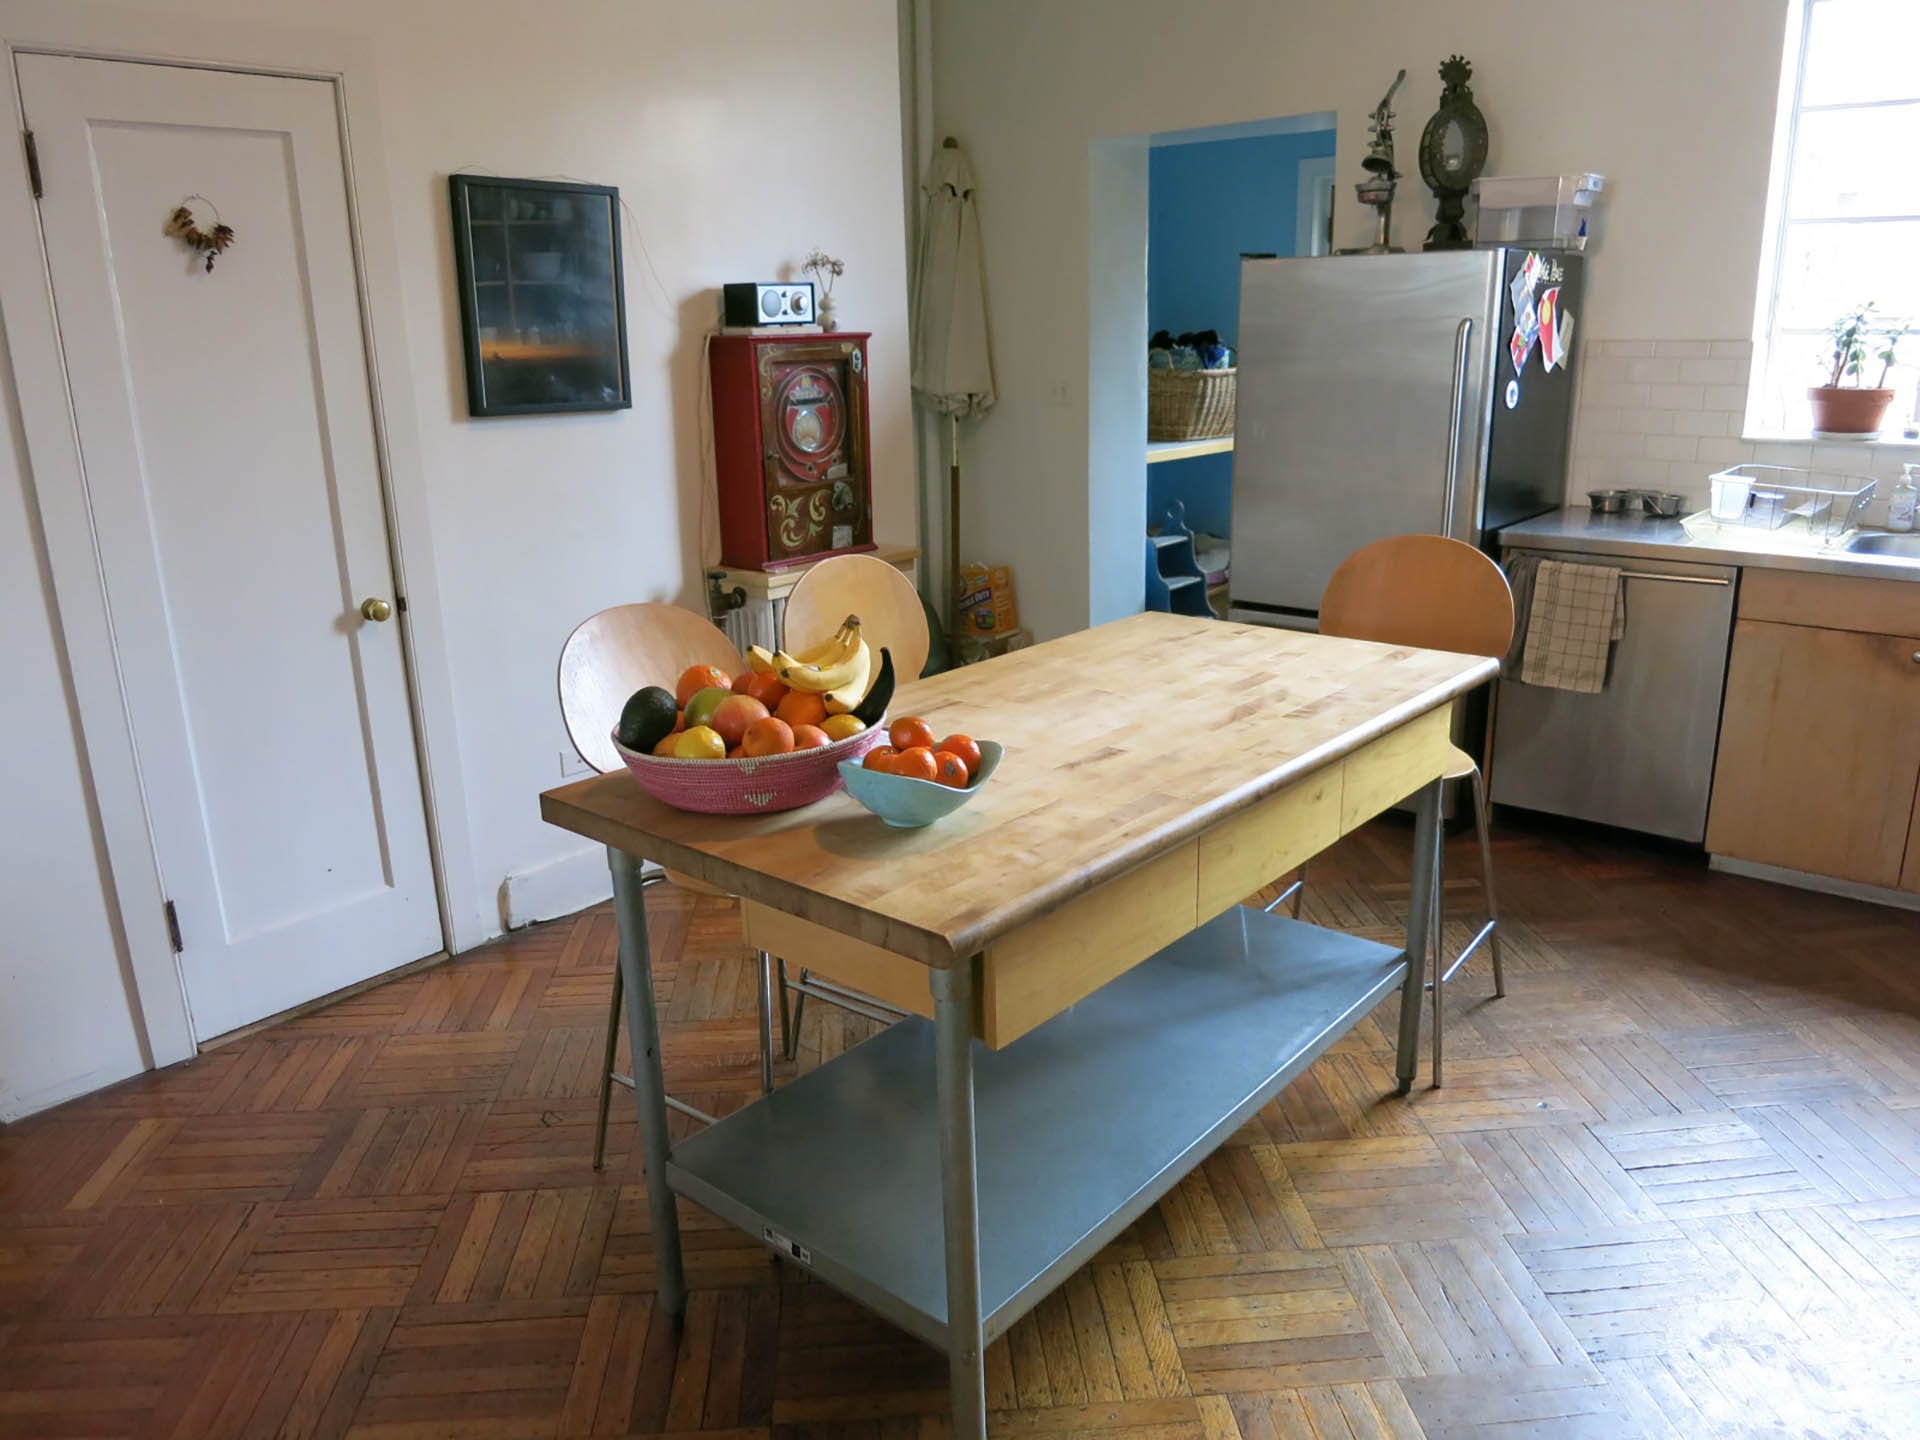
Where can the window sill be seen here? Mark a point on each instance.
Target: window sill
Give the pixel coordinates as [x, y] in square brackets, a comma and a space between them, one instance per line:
[1868, 442]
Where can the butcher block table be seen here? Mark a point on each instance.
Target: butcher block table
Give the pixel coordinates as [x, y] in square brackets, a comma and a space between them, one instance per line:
[1100, 1010]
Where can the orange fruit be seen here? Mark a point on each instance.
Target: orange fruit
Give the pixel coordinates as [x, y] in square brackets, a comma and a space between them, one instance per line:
[736, 753]
[879, 758]
[696, 678]
[950, 769]
[666, 746]
[767, 689]
[799, 707]
[809, 737]
[909, 731]
[917, 762]
[742, 683]
[735, 715]
[967, 748]
[768, 737]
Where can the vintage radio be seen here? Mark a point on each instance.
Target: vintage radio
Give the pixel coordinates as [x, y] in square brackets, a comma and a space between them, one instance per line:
[756, 303]
[791, 447]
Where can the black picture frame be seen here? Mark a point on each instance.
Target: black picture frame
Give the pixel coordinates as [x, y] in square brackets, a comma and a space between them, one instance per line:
[545, 329]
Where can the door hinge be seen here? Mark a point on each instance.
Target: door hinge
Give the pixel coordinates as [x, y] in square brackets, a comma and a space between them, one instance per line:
[173, 928]
[33, 165]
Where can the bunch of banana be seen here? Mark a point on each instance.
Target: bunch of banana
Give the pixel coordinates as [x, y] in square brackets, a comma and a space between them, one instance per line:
[838, 669]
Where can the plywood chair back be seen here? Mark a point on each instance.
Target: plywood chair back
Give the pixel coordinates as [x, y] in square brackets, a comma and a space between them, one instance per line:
[1420, 590]
[612, 654]
[885, 600]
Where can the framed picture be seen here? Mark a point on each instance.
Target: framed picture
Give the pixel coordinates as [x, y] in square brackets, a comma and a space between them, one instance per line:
[542, 304]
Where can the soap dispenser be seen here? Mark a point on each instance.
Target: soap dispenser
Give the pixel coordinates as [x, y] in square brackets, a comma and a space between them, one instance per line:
[1905, 499]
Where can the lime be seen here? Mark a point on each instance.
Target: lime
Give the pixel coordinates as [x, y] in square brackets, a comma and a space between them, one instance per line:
[700, 742]
[703, 703]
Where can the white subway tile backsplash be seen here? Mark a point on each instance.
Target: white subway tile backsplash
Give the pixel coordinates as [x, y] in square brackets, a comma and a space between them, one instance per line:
[1701, 422]
[1662, 413]
[1671, 447]
[1722, 371]
[1674, 397]
[1653, 372]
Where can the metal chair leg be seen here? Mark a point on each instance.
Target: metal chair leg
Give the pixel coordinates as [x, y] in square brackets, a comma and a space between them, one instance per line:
[606, 1069]
[799, 1009]
[1482, 817]
[1300, 890]
[764, 992]
[786, 1017]
[1439, 984]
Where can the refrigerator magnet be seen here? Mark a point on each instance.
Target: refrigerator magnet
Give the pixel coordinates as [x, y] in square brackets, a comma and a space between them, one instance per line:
[1513, 393]
[1550, 354]
[1519, 347]
[1563, 336]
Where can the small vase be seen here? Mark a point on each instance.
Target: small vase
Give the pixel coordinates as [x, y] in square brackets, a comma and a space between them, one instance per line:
[1843, 410]
[825, 312]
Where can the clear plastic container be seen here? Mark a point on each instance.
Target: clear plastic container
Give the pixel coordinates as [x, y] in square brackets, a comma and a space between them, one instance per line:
[1545, 211]
[1729, 495]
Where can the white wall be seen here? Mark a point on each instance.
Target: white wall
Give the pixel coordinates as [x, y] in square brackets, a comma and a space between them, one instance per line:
[1674, 103]
[741, 136]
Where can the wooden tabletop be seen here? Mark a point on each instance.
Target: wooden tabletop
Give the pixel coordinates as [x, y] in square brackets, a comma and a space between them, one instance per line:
[1122, 742]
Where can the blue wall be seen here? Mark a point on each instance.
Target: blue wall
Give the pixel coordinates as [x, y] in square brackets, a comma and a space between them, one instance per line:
[1207, 203]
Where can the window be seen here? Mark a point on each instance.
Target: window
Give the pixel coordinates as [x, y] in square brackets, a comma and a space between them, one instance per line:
[1845, 208]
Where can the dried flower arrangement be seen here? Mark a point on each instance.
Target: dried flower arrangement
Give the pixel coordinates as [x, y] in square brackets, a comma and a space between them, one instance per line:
[211, 243]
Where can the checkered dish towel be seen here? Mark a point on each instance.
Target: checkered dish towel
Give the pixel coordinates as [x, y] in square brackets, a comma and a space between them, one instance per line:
[1575, 615]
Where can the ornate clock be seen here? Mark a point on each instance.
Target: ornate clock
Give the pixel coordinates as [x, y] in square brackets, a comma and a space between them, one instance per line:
[1453, 151]
[791, 447]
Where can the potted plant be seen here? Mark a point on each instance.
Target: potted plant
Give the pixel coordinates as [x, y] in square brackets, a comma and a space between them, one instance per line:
[1844, 405]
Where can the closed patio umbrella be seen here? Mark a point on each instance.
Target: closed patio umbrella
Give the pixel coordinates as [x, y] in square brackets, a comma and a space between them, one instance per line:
[952, 350]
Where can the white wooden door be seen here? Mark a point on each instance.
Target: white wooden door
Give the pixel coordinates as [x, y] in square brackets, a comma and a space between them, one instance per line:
[227, 438]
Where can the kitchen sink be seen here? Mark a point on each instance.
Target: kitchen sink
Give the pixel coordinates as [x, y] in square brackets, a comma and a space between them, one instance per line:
[1904, 547]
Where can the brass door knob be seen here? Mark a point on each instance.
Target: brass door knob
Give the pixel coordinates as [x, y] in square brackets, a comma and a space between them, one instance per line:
[375, 610]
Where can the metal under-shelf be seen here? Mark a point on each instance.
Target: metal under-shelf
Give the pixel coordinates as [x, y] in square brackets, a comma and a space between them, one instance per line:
[1082, 1124]
[1163, 450]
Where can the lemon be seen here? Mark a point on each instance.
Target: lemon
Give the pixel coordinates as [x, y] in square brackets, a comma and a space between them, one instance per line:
[702, 742]
[839, 727]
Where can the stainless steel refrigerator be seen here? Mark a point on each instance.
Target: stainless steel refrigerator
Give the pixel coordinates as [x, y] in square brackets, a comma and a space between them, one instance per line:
[1385, 395]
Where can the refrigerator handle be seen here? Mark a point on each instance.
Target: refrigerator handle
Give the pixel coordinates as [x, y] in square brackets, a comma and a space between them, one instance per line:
[1456, 420]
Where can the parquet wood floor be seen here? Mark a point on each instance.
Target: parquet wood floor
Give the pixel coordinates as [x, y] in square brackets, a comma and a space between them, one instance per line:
[1672, 1189]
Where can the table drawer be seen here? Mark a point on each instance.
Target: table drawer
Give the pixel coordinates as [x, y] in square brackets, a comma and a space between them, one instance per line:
[842, 959]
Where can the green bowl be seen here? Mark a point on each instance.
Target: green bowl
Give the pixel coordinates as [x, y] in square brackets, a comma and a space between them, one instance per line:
[907, 803]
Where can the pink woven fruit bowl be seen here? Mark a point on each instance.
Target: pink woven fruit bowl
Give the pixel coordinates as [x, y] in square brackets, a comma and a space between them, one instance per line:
[750, 786]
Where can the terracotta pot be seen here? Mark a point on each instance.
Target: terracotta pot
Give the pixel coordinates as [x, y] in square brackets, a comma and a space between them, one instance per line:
[1841, 410]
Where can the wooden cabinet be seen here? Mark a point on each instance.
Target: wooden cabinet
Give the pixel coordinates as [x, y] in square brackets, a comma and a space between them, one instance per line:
[1819, 763]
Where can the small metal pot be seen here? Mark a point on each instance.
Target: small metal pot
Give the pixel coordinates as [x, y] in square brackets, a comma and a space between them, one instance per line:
[1666, 504]
[1608, 502]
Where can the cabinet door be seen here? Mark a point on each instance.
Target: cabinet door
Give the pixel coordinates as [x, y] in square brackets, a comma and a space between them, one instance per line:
[1819, 752]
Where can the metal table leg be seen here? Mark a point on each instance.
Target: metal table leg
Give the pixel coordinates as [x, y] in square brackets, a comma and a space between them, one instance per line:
[649, 1083]
[953, 1067]
[1426, 852]
[765, 962]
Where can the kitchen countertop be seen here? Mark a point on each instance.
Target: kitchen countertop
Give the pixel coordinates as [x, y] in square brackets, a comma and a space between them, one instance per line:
[1649, 538]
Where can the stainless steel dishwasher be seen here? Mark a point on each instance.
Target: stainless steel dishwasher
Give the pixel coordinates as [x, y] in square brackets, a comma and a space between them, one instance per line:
[1640, 753]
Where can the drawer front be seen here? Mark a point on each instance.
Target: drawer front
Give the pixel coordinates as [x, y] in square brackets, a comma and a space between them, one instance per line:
[1041, 968]
[1259, 845]
[901, 982]
[1386, 772]
[1831, 602]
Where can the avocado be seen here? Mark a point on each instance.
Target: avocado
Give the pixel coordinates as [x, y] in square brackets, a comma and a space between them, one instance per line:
[647, 718]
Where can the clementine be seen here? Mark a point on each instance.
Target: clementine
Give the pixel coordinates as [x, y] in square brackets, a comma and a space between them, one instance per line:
[767, 689]
[800, 707]
[809, 737]
[665, 748]
[909, 731]
[771, 736]
[917, 762]
[880, 758]
[696, 678]
[950, 769]
[967, 748]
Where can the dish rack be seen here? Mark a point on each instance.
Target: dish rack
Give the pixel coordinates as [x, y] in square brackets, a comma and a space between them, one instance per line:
[1768, 496]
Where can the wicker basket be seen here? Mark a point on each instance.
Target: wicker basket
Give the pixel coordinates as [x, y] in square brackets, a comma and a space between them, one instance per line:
[749, 787]
[1190, 404]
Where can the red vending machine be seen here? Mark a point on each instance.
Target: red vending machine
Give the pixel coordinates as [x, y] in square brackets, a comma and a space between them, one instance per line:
[791, 447]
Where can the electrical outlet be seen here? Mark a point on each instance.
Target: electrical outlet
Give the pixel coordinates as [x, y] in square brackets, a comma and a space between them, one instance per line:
[571, 764]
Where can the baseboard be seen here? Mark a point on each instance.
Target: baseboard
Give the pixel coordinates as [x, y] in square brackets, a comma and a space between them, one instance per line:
[18, 1107]
[1825, 884]
[558, 887]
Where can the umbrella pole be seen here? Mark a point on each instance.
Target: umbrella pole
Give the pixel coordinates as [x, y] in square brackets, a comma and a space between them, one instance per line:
[953, 526]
